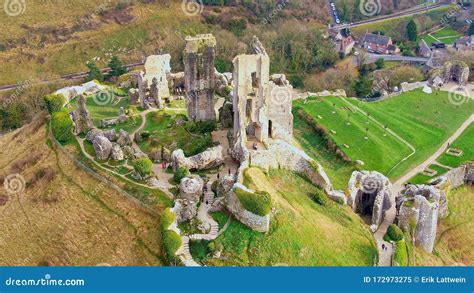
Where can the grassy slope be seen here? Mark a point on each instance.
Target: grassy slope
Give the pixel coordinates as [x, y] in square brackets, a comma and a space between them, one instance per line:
[455, 233]
[338, 171]
[423, 179]
[70, 219]
[446, 35]
[302, 232]
[379, 152]
[425, 121]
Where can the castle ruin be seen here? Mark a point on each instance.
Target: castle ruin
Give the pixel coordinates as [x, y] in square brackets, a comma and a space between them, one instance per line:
[199, 76]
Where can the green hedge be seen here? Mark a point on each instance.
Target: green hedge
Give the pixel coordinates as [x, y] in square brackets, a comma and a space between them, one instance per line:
[400, 256]
[143, 166]
[61, 125]
[180, 174]
[394, 233]
[171, 244]
[54, 102]
[167, 218]
[259, 203]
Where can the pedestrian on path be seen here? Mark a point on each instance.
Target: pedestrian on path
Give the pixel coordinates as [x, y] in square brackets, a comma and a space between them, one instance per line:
[383, 246]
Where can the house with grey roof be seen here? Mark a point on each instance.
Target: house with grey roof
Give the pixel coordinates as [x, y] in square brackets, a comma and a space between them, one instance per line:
[377, 43]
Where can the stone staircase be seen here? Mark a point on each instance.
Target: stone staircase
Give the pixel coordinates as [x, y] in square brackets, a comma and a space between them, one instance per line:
[204, 217]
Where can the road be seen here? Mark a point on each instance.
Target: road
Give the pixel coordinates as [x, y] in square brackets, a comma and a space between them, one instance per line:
[375, 57]
[404, 13]
[72, 76]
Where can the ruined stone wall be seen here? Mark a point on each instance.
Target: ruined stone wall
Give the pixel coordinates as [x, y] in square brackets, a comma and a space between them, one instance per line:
[199, 76]
[158, 66]
[253, 221]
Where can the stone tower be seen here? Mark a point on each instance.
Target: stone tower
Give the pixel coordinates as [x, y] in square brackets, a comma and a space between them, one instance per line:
[82, 118]
[199, 76]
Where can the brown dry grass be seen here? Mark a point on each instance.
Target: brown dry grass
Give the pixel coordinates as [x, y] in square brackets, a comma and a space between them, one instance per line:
[60, 220]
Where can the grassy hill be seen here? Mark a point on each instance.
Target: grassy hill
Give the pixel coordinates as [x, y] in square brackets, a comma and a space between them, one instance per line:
[302, 232]
[425, 121]
[64, 216]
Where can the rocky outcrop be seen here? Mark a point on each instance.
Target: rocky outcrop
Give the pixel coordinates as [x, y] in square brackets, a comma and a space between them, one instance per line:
[418, 210]
[102, 147]
[190, 191]
[124, 138]
[370, 194]
[117, 152]
[253, 221]
[209, 159]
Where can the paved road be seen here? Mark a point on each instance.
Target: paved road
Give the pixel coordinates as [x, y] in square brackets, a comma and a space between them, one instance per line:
[405, 13]
[375, 57]
[72, 76]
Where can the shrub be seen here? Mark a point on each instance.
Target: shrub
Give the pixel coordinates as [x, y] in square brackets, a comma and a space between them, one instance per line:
[259, 203]
[171, 244]
[400, 254]
[394, 233]
[167, 218]
[319, 198]
[54, 102]
[61, 125]
[180, 174]
[143, 166]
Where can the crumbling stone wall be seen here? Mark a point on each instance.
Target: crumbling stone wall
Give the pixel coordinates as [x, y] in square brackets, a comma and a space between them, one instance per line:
[370, 194]
[452, 71]
[253, 221]
[419, 207]
[82, 118]
[190, 191]
[153, 83]
[199, 76]
[210, 158]
[261, 103]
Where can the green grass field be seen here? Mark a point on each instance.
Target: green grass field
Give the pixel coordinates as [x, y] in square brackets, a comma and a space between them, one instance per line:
[302, 232]
[446, 35]
[465, 143]
[421, 178]
[425, 121]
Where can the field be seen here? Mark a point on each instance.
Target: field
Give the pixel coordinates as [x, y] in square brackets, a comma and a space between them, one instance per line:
[465, 143]
[446, 35]
[454, 239]
[302, 232]
[396, 28]
[65, 217]
[422, 120]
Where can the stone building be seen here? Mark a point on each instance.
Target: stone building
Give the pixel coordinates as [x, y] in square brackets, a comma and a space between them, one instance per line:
[261, 103]
[153, 83]
[370, 195]
[418, 210]
[199, 76]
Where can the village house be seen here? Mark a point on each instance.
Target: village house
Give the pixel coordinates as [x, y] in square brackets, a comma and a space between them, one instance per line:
[377, 43]
[464, 44]
[425, 50]
[343, 42]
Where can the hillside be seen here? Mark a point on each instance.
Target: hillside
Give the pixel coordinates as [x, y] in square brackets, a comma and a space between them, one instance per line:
[63, 216]
[302, 233]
